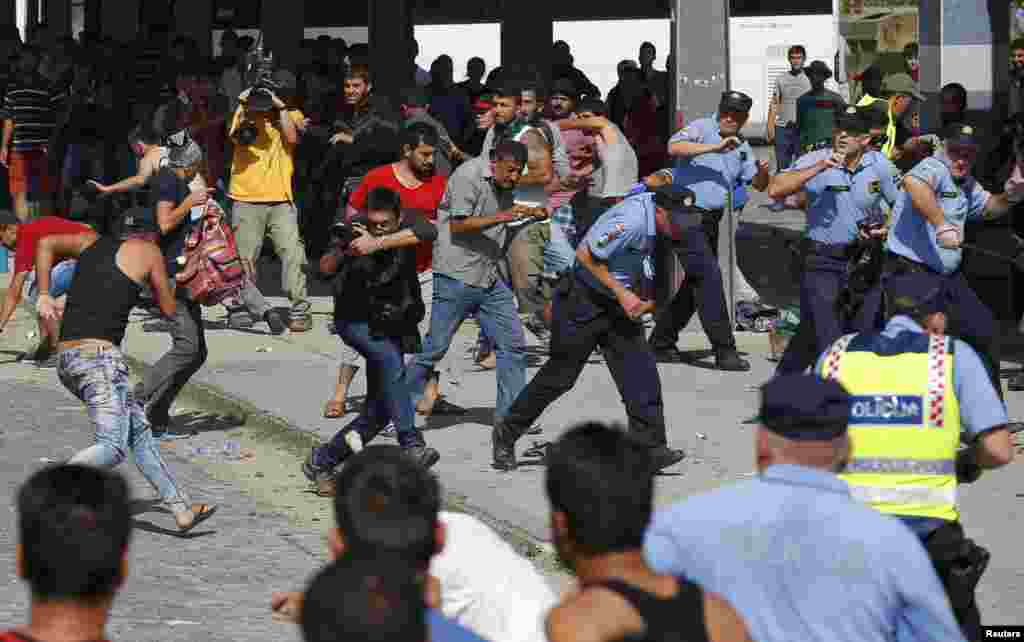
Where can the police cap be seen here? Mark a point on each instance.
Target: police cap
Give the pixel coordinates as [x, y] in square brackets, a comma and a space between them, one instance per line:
[961, 135]
[915, 294]
[735, 101]
[853, 121]
[805, 408]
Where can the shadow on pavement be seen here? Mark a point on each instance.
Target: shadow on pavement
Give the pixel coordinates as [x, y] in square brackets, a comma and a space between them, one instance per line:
[481, 415]
[195, 422]
[150, 527]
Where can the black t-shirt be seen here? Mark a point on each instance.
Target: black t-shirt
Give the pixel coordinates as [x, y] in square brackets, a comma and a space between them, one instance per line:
[166, 186]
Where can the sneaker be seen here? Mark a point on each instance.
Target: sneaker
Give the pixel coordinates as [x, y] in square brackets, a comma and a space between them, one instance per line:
[425, 455]
[730, 361]
[324, 479]
[49, 362]
[240, 321]
[275, 322]
[389, 431]
[300, 322]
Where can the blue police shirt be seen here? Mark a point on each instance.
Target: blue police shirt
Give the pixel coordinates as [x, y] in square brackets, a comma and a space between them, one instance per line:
[838, 198]
[913, 237]
[712, 176]
[623, 237]
[800, 559]
[980, 407]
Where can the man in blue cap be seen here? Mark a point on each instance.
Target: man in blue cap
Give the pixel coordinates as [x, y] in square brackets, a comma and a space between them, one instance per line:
[711, 160]
[940, 196]
[600, 303]
[915, 391]
[794, 553]
[845, 185]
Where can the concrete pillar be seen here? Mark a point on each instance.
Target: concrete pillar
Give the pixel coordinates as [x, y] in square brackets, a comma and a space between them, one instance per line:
[527, 33]
[701, 56]
[58, 18]
[120, 19]
[283, 25]
[392, 27]
[194, 18]
[963, 41]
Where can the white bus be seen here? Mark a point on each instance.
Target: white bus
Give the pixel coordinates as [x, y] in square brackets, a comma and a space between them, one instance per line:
[760, 34]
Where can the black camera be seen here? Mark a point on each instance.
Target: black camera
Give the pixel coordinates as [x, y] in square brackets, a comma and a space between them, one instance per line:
[342, 235]
[262, 87]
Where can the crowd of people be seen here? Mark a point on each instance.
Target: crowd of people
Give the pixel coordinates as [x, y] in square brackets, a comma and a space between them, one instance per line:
[527, 202]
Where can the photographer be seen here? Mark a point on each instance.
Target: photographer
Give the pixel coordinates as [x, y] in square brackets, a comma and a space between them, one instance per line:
[377, 306]
[265, 132]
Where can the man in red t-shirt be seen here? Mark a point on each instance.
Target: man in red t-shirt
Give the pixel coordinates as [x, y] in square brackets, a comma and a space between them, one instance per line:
[72, 591]
[421, 190]
[23, 238]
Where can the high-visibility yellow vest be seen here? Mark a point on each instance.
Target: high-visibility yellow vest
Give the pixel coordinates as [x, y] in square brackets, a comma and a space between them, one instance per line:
[904, 421]
[890, 129]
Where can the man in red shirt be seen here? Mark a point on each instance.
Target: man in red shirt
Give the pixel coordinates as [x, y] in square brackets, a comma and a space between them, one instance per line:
[421, 190]
[72, 588]
[23, 238]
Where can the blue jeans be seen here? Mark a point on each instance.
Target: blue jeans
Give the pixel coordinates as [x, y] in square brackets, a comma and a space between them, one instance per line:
[386, 396]
[99, 377]
[787, 146]
[61, 276]
[495, 308]
[559, 253]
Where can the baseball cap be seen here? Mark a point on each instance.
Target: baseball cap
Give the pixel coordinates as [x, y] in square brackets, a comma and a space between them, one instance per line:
[914, 294]
[853, 121]
[960, 134]
[818, 69]
[901, 84]
[7, 217]
[804, 408]
[735, 101]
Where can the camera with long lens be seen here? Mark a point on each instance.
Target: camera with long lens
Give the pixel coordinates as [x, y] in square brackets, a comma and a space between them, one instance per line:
[342, 235]
[262, 87]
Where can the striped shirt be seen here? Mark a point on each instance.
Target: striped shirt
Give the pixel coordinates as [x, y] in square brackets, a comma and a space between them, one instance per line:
[32, 104]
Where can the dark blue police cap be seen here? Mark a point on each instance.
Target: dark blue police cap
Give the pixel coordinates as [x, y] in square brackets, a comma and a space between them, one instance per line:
[914, 294]
[735, 101]
[805, 408]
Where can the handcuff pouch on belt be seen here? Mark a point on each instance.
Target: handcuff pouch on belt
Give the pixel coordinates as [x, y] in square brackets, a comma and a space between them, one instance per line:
[863, 272]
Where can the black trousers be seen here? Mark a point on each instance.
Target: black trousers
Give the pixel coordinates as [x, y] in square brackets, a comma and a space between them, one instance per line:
[583, 319]
[959, 563]
[703, 291]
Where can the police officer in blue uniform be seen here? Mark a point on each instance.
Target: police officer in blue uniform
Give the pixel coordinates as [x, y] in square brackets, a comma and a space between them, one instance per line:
[845, 185]
[600, 302]
[712, 160]
[940, 196]
[916, 305]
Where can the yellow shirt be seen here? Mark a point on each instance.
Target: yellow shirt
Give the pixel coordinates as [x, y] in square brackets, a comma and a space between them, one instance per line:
[262, 172]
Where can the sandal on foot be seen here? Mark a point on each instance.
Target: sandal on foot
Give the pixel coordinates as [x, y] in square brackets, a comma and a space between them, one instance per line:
[200, 513]
[334, 409]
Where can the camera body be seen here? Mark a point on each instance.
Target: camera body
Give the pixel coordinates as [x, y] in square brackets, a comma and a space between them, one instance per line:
[262, 87]
[342, 235]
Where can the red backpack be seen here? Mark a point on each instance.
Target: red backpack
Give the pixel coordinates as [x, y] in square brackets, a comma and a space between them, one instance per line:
[212, 270]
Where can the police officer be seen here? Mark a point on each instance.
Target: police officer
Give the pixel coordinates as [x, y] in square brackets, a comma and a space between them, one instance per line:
[940, 196]
[600, 303]
[711, 160]
[844, 185]
[914, 391]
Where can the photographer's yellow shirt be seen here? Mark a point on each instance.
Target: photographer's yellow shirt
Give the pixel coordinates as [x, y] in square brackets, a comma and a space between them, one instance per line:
[262, 172]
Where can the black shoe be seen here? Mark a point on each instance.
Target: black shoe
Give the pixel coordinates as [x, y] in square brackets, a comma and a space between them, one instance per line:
[730, 361]
[424, 455]
[503, 445]
[444, 407]
[276, 323]
[1015, 427]
[663, 457]
[670, 354]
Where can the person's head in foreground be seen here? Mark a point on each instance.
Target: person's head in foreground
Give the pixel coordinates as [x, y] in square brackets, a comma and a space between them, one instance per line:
[72, 586]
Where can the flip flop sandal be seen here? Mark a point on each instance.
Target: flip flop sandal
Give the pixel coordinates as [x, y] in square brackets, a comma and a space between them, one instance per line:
[205, 512]
[334, 410]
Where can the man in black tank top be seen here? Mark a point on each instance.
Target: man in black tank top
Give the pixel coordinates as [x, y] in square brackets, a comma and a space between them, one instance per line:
[92, 367]
[600, 483]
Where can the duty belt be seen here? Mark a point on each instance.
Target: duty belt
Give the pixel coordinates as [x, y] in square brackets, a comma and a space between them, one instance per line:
[841, 251]
[902, 264]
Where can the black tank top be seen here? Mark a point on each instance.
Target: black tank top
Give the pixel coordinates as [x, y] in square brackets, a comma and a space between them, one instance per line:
[101, 297]
[679, 618]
